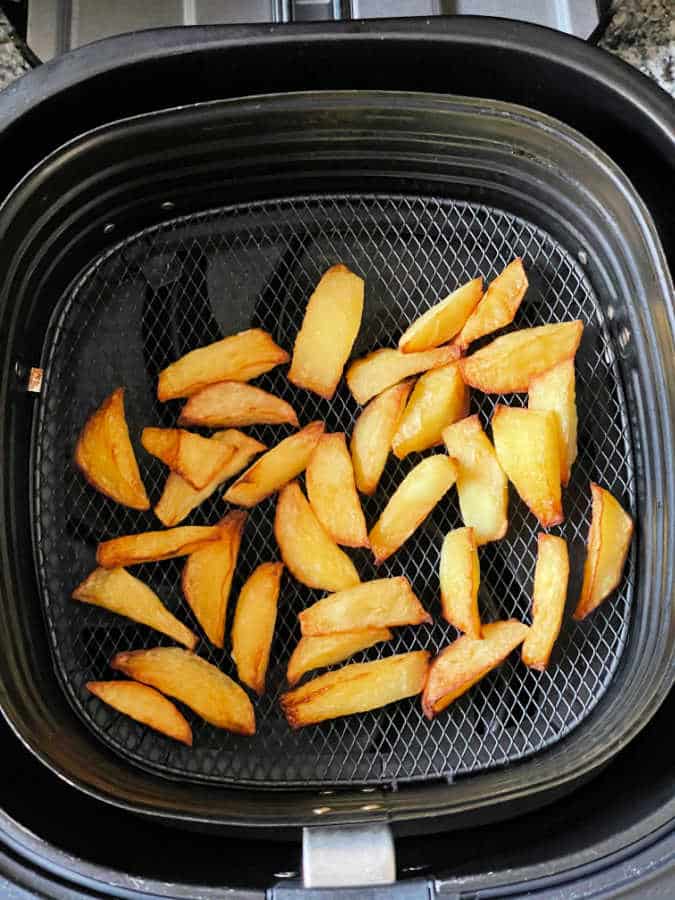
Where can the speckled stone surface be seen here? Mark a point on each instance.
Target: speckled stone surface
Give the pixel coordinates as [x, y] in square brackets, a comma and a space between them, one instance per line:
[12, 63]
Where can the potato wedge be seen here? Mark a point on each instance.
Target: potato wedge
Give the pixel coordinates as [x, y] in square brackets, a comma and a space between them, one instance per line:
[380, 369]
[526, 443]
[499, 305]
[236, 403]
[460, 580]
[555, 391]
[309, 552]
[193, 681]
[119, 592]
[609, 538]
[482, 486]
[439, 398]
[207, 576]
[464, 662]
[195, 458]
[253, 626]
[444, 320]
[328, 649]
[551, 574]
[331, 490]
[373, 433]
[356, 688]
[105, 456]
[153, 546]
[329, 329]
[239, 357]
[145, 705]
[510, 362]
[411, 503]
[383, 603]
[277, 467]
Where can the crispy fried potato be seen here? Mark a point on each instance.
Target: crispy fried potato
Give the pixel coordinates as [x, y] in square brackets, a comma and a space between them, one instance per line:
[318, 652]
[444, 320]
[460, 580]
[153, 546]
[231, 403]
[195, 458]
[277, 467]
[608, 542]
[463, 663]
[253, 626]
[526, 442]
[373, 433]
[499, 305]
[145, 705]
[383, 603]
[239, 357]
[482, 485]
[380, 369]
[554, 390]
[551, 574]
[105, 456]
[439, 398]
[411, 503]
[332, 492]
[510, 362]
[309, 552]
[119, 592]
[329, 329]
[193, 681]
[207, 576]
[356, 688]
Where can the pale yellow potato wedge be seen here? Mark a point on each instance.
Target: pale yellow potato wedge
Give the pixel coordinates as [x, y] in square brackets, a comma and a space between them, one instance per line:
[439, 398]
[105, 456]
[193, 681]
[195, 458]
[464, 662]
[331, 490]
[329, 329]
[527, 447]
[444, 320]
[499, 305]
[460, 580]
[277, 467]
[482, 486]
[236, 403]
[380, 369]
[356, 688]
[145, 705]
[373, 433]
[239, 357]
[253, 626]
[383, 603]
[318, 652]
[555, 391]
[609, 538]
[153, 546]
[310, 554]
[510, 362]
[551, 575]
[411, 503]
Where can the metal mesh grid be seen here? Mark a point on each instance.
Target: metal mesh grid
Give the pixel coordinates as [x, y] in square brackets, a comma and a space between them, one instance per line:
[190, 281]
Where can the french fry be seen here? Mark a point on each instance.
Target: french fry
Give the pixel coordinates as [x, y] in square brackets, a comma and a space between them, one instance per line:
[331, 490]
[380, 369]
[195, 458]
[411, 503]
[105, 456]
[236, 403]
[460, 580]
[373, 433]
[356, 688]
[329, 329]
[554, 390]
[499, 305]
[444, 320]
[193, 681]
[153, 546]
[551, 574]
[253, 626]
[439, 398]
[317, 652]
[145, 705]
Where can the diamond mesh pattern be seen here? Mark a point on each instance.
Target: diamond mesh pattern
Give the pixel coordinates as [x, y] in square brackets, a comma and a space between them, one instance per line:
[188, 282]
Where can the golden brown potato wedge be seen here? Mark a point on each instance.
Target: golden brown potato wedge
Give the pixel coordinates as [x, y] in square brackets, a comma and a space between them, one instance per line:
[331, 490]
[309, 552]
[608, 542]
[411, 503]
[482, 485]
[460, 580]
[193, 681]
[439, 398]
[510, 362]
[236, 403]
[105, 456]
[373, 433]
[356, 688]
[328, 649]
[253, 626]
[527, 447]
[195, 458]
[207, 576]
[239, 357]
[499, 305]
[551, 574]
[464, 662]
[380, 369]
[119, 592]
[444, 320]
[554, 390]
[329, 329]
[145, 705]
[277, 467]
[153, 546]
